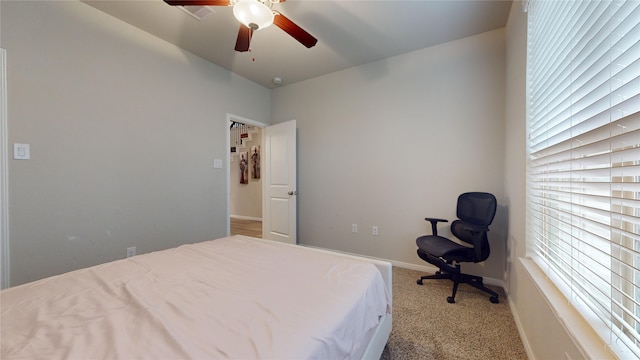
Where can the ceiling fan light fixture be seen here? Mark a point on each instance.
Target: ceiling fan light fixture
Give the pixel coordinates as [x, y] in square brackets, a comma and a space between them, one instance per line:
[253, 14]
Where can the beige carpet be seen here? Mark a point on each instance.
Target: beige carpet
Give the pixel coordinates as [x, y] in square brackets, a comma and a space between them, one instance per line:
[426, 326]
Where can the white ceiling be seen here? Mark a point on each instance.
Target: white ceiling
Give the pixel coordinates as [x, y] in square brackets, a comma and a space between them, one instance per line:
[349, 33]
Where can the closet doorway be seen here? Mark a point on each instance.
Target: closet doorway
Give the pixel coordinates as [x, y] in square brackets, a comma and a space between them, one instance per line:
[245, 176]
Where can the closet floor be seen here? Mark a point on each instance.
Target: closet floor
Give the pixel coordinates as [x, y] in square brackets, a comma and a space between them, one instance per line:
[246, 227]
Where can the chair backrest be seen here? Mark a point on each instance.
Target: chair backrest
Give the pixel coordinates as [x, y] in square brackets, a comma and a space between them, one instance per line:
[476, 208]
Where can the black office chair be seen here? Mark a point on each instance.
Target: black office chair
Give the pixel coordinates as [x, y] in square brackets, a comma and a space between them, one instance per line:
[475, 212]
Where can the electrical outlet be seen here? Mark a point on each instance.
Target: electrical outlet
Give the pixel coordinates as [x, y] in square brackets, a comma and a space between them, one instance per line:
[374, 230]
[131, 251]
[354, 228]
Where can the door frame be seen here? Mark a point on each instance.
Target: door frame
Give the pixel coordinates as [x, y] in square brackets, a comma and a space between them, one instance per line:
[4, 177]
[247, 121]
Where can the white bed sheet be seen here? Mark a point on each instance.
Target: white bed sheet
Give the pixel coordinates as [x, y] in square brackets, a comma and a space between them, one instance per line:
[235, 297]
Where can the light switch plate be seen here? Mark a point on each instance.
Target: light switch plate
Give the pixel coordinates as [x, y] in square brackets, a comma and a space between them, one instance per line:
[21, 152]
[217, 163]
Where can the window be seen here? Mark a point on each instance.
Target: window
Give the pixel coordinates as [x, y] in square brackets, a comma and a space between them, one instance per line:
[583, 183]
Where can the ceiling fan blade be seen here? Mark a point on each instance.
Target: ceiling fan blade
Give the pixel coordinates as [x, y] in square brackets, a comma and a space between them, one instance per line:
[244, 38]
[294, 30]
[198, 2]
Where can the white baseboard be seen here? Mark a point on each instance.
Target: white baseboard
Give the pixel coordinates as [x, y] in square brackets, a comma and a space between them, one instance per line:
[433, 269]
[520, 327]
[411, 266]
[242, 217]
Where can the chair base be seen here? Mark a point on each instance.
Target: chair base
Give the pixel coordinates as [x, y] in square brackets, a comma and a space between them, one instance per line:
[475, 281]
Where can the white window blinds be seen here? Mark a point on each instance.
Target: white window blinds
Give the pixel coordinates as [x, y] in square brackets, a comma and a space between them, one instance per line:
[583, 187]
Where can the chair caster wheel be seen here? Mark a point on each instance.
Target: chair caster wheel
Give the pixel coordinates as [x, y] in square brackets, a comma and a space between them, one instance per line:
[419, 282]
[494, 299]
[451, 300]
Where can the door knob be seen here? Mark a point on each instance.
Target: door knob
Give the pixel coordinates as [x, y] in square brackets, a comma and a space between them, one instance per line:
[292, 192]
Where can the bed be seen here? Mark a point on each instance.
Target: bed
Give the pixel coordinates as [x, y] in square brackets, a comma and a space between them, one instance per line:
[235, 297]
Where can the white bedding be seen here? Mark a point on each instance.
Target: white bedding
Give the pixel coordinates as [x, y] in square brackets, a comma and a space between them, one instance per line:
[235, 297]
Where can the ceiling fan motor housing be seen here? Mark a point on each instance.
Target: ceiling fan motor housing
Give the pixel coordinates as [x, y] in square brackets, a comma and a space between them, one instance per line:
[254, 14]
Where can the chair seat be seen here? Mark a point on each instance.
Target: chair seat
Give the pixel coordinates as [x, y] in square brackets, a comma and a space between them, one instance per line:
[442, 247]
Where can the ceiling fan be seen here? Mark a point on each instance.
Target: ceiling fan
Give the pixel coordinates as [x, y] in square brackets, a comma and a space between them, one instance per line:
[254, 15]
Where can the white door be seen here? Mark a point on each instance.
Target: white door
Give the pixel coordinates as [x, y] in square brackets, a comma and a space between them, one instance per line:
[279, 193]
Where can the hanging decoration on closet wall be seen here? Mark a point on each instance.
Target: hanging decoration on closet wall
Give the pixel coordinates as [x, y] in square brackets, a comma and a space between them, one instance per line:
[234, 140]
[239, 135]
[255, 161]
[244, 168]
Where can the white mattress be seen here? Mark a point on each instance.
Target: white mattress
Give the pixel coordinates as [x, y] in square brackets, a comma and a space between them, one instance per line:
[236, 297]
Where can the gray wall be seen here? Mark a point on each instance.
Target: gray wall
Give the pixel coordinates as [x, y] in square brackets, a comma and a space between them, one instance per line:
[120, 157]
[394, 141]
[547, 337]
[123, 129]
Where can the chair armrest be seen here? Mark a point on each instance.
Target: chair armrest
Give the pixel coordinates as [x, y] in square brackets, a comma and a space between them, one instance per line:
[434, 222]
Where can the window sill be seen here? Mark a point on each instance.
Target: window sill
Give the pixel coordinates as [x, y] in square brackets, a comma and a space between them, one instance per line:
[583, 335]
